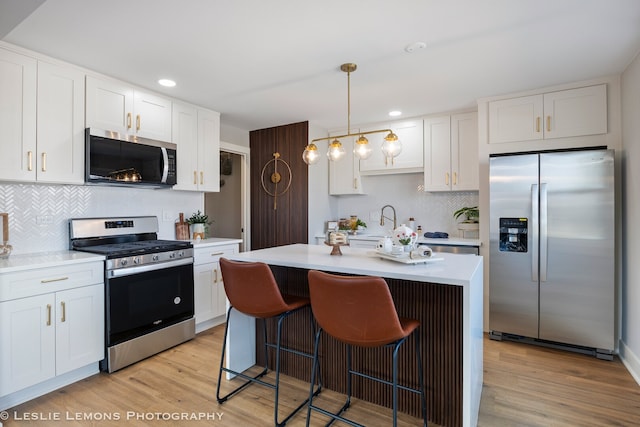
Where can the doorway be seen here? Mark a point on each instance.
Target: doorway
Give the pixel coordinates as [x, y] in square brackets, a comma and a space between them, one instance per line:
[229, 208]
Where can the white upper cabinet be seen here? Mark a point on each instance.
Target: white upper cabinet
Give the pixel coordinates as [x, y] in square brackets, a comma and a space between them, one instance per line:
[18, 85]
[208, 150]
[451, 153]
[60, 128]
[344, 175]
[409, 160]
[464, 152]
[196, 132]
[437, 153]
[116, 106]
[566, 113]
[41, 121]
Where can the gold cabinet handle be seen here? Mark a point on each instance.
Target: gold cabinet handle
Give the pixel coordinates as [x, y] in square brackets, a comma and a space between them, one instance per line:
[63, 318]
[44, 162]
[455, 178]
[30, 161]
[201, 177]
[195, 177]
[217, 253]
[48, 314]
[537, 124]
[128, 120]
[446, 178]
[548, 123]
[59, 279]
[138, 122]
[355, 183]
[215, 275]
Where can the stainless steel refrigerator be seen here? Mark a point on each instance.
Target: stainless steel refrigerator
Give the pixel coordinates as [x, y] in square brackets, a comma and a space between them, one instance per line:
[552, 238]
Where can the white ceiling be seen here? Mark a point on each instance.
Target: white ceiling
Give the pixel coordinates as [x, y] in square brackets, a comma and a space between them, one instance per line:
[268, 63]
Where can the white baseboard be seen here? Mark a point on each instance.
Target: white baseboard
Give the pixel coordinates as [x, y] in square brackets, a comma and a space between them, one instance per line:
[630, 360]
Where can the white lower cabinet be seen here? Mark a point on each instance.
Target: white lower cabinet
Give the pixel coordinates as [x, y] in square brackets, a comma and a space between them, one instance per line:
[209, 296]
[45, 335]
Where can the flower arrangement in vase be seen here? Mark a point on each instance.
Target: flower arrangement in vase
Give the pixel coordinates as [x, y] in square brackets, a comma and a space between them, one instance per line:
[405, 237]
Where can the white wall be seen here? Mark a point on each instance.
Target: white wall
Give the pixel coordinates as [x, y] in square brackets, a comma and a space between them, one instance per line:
[630, 336]
[233, 135]
[54, 205]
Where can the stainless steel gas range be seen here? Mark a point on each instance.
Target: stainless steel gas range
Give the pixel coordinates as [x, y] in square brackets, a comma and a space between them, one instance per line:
[148, 286]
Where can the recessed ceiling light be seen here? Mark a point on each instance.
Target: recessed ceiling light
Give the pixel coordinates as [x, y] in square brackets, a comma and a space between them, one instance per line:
[395, 113]
[166, 82]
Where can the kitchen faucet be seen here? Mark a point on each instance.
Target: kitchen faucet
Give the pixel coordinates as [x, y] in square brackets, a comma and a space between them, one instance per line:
[382, 217]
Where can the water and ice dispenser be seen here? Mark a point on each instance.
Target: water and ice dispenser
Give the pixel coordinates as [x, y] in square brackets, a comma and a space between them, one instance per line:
[513, 234]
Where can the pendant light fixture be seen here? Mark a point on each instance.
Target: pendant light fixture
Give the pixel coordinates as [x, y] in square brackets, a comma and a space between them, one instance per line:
[391, 146]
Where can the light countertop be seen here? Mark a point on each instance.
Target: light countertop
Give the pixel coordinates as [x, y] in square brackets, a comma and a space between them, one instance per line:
[214, 241]
[23, 262]
[454, 269]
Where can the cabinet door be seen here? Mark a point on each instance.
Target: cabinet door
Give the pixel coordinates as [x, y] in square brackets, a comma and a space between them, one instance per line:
[109, 105]
[17, 116]
[185, 135]
[208, 150]
[344, 175]
[437, 154]
[464, 152]
[60, 128]
[79, 327]
[409, 160]
[205, 291]
[152, 116]
[516, 119]
[27, 342]
[576, 112]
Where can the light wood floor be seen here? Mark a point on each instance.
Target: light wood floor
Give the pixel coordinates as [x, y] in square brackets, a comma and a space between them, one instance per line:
[524, 385]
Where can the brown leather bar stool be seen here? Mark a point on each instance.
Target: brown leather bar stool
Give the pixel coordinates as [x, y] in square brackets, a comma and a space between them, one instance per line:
[359, 311]
[252, 290]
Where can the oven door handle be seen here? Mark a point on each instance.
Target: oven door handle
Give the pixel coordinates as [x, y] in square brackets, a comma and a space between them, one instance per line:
[146, 268]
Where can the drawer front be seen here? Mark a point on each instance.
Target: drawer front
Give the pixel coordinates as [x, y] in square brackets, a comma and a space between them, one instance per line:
[212, 253]
[52, 279]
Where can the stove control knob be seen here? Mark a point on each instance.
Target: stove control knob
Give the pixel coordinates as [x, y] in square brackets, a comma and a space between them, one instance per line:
[136, 260]
[123, 262]
[155, 258]
[181, 254]
[172, 255]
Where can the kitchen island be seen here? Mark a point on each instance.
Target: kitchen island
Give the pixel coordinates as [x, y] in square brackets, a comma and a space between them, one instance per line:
[445, 296]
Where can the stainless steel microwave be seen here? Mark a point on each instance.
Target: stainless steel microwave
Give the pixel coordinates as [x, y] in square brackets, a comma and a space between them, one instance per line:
[116, 159]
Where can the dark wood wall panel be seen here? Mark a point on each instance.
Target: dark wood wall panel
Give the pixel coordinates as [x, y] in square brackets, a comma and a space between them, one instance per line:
[289, 222]
[439, 310]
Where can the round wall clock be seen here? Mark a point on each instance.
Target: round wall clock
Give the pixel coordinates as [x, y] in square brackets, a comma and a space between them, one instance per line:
[276, 178]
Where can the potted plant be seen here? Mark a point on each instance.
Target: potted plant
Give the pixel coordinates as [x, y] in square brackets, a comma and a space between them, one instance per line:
[200, 224]
[471, 214]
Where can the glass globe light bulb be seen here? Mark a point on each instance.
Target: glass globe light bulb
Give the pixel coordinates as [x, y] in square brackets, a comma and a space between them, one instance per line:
[310, 154]
[362, 148]
[336, 151]
[391, 146]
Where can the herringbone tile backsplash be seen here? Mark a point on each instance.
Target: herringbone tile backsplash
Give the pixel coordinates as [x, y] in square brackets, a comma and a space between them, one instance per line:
[39, 214]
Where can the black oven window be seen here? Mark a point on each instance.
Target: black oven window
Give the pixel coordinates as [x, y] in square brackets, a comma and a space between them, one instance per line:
[144, 302]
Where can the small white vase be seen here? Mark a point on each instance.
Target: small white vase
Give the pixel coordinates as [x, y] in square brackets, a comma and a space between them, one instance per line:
[198, 231]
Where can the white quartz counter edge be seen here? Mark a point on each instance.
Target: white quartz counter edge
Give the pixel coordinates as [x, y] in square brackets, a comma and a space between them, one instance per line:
[30, 261]
[214, 241]
[455, 269]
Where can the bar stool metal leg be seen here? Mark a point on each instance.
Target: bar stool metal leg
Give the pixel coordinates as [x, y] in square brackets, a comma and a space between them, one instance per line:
[251, 379]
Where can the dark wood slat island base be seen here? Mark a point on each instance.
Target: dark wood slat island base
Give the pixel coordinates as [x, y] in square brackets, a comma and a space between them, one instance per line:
[442, 312]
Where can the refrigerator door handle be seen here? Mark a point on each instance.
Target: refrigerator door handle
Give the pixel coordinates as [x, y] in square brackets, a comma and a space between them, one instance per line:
[543, 232]
[534, 232]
